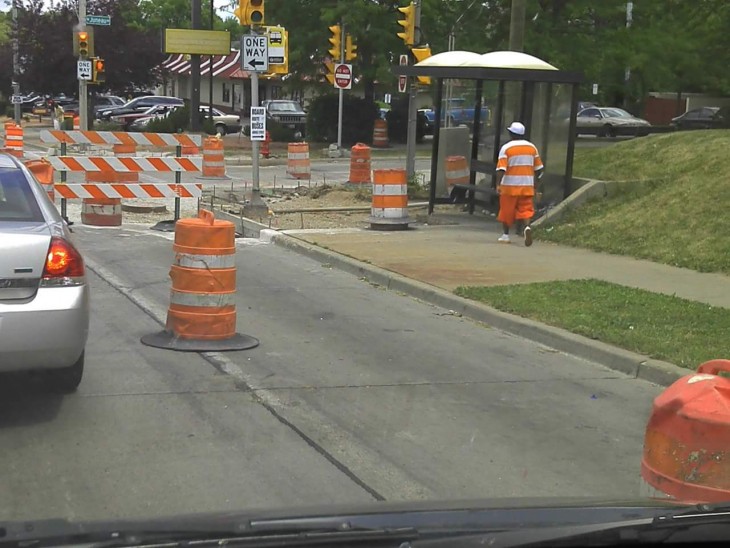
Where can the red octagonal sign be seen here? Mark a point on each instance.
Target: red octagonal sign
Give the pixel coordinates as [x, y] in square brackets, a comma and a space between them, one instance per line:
[343, 76]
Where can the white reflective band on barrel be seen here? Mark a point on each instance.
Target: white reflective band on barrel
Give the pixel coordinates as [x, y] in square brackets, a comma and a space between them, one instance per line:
[207, 300]
[390, 190]
[457, 173]
[189, 260]
[389, 212]
[299, 155]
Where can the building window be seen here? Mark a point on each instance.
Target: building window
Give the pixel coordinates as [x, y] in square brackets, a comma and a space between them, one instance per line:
[226, 93]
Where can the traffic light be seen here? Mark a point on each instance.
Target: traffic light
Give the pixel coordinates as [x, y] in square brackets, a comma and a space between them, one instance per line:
[82, 41]
[330, 74]
[250, 12]
[350, 49]
[421, 53]
[336, 41]
[409, 24]
[98, 70]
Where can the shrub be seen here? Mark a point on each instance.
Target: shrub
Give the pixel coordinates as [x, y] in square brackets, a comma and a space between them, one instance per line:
[397, 118]
[358, 119]
[178, 121]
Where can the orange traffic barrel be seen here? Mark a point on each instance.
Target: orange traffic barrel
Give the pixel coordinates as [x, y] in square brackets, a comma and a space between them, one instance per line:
[687, 440]
[14, 139]
[202, 311]
[360, 164]
[380, 133]
[265, 149]
[101, 211]
[298, 160]
[457, 172]
[77, 122]
[214, 164]
[43, 172]
[389, 209]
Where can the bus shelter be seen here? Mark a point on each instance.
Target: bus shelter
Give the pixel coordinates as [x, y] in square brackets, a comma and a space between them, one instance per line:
[505, 86]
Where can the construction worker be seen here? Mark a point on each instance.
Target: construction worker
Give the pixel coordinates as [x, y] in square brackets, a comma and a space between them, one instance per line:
[519, 168]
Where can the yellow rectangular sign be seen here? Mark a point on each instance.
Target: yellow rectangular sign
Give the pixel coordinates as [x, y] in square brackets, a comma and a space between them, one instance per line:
[197, 42]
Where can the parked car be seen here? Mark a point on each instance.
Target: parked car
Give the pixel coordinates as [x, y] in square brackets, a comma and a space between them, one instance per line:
[139, 104]
[703, 118]
[289, 114]
[610, 122]
[105, 102]
[224, 123]
[44, 294]
[155, 111]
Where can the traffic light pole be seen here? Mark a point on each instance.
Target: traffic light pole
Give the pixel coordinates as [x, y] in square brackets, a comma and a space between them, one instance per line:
[83, 95]
[340, 108]
[256, 204]
[412, 106]
[16, 62]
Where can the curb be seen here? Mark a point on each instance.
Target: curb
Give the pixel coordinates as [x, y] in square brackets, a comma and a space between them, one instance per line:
[618, 359]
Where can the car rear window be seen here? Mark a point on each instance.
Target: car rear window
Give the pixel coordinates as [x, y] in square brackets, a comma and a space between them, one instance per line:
[17, 201]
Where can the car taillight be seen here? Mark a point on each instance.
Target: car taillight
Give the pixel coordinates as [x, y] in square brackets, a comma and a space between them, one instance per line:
[64, 264]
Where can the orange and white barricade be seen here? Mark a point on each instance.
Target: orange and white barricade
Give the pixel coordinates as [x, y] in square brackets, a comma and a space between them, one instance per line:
[389, 209]
[214, 162]
[380, 133]
[457, 172]
[360, 172]
[297, 165]
[202, 311]
[14, 139]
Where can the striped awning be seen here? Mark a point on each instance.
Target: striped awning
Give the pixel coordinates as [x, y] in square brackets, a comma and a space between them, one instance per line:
[223, 65]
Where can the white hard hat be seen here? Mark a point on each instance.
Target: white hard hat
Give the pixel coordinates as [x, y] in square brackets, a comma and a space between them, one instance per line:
[516, 128]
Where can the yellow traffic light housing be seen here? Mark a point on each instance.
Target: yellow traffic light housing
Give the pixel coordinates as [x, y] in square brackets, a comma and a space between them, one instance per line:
[250, 12]
[420, 53]
[83, 43]
[330, 74]
[336, 42]
[408, 23]
[350, 49]
[98, 70]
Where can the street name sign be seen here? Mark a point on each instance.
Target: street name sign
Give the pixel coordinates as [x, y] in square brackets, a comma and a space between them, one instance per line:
[255, 53]
[258, 123]
[343, 76]
[99, 20]
[83, 69]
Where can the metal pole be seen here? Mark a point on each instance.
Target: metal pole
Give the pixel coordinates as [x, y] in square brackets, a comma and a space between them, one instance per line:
[195, 73]
[210, 80]
[83, 95]
[63, 180]
[340, 107]
[16, 62]
[255, 190]
[412, 106]
[436, 137]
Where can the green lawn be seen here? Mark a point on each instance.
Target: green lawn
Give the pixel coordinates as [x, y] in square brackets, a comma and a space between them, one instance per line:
[682, 332]
[673, 212]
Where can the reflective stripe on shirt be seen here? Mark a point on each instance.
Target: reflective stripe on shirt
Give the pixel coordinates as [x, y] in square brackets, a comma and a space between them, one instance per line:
[519, 160]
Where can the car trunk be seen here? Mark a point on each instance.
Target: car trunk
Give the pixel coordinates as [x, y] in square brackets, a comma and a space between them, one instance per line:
[23, 253]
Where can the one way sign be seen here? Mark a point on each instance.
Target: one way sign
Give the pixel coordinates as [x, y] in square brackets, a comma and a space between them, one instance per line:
[255, 53]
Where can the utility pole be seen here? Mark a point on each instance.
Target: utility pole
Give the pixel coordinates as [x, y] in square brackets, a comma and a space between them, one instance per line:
[195, 72]
[627, 72]
[340, 107]
[210, 79]
[83, 95]
[452, 47]
[517, 25]
[16, 62]
[412, 106]
[256, 205]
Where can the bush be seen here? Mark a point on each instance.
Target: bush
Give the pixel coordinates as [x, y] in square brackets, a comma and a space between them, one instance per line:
[358, 119]
[397, 118]
[178, 121]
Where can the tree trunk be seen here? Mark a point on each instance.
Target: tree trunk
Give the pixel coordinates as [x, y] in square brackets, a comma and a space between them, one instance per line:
[369, 89]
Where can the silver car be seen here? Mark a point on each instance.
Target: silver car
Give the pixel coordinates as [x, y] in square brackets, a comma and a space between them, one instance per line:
[44, 294]
[610, 122]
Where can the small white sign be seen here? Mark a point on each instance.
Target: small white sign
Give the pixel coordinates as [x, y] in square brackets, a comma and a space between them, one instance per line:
[258, 123]
[255, 53]
[16, 99]
[595, 89]
[83, 70]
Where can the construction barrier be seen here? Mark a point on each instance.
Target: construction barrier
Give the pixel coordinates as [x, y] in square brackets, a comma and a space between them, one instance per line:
[14, 139]
[128, 191]
[43, 172]
[297, 164]
[360, 164]
[126, 164]
[687, 440]
[120, 138]
[214, 163]
[389, 209]
[202, 311]
[101, 210]
[380, 134]
[457, 172]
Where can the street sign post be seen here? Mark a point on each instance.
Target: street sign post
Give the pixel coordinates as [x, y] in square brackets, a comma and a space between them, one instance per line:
[258, 123]
[83, 69]
[343, 76]
[255, 53]
[99, 20]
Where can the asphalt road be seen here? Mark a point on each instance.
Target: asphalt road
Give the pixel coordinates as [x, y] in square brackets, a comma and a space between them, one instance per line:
[355, 394]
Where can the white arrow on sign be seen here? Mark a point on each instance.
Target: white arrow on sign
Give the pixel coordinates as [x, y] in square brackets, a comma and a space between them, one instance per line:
[255, 53]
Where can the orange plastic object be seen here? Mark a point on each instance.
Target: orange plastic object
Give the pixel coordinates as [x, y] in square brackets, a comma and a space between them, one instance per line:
[390, 195]
[265, 149]
[43, 172]
[14, 139]
[380, 134]
[457, 172]
[360, 164]
[101, 212]
[298, 160]
[687, 440]
[203, 280]
[214, 165]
